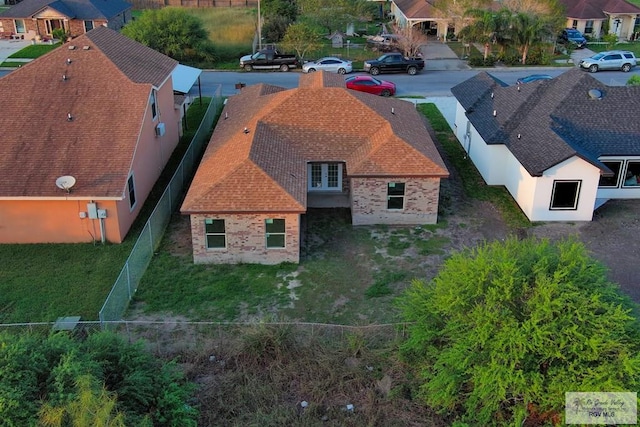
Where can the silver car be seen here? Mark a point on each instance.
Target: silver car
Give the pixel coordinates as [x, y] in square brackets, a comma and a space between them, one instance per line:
[610, 60]
[330, 64]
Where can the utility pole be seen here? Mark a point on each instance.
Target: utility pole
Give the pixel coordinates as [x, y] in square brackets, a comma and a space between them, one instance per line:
[259, 28]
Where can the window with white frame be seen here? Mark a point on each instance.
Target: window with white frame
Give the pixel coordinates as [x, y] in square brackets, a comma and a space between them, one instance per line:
[565, 195]
[20, 28]
[275, 233]
[88, 26]
[131, 189]
[395, 195]
[324, 176]
[574, 24]
[215, 233]
[588, 27]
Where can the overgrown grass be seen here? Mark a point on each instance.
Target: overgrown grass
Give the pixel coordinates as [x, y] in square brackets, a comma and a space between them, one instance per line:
[263, 374]
[473, 184]
[41, 282]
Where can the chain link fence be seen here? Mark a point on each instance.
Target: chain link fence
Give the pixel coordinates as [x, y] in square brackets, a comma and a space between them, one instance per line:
[134, 268]
[171, 338]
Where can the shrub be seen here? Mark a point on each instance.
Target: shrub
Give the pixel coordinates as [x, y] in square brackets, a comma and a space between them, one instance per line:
[634, 80]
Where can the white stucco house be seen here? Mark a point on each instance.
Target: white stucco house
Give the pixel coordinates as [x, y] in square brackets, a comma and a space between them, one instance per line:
[561, 147]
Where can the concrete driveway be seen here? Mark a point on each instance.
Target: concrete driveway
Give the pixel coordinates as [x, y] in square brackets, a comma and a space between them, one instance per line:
[9, 47]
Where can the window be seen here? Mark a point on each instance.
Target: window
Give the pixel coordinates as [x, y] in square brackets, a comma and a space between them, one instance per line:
[632, 176]
[395, 195]
[324, 176]
[588, 27]
[154, 107]
[20, 26]
[574, 25]
[215, 233]
[131, 188]
[88, 26]
[275, 233]
[611, 181]
[565, 195]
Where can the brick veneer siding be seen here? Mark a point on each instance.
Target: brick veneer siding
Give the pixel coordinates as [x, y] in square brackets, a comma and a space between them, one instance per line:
[245, 238]
[369, 201]
[74, 26]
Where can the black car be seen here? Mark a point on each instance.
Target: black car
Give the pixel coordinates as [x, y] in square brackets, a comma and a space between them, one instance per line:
[573, 36]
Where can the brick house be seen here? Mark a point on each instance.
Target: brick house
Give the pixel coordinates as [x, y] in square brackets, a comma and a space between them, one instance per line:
[561, 147]
[37, 19]
[276, 152]
[100, 109]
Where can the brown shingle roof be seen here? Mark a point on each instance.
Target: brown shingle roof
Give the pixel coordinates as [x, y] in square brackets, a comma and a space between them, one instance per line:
[594, 9]
[264, 168]
[38, 143]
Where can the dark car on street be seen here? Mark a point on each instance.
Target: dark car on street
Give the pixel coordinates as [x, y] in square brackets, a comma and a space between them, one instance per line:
[533, 78]
[371, 85]
[573, 36]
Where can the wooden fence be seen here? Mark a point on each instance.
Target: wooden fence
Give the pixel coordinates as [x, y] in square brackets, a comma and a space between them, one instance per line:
[157, 4]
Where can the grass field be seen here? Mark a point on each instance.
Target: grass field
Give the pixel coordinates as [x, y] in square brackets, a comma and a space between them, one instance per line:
[41, 282]
[34, 51]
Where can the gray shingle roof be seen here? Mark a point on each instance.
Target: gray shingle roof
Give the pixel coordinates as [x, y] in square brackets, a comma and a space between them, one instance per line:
[546, 122]
[76, 9]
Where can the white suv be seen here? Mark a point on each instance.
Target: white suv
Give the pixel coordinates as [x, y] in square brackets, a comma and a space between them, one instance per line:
[610, 60]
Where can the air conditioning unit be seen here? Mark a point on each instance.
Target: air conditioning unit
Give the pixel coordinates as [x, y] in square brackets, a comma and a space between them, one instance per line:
[160, 130]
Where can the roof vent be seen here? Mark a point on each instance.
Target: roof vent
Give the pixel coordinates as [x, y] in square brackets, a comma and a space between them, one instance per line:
[71, 47]
[246, 130]
[86, 47]
[595, 94]
[68, 60]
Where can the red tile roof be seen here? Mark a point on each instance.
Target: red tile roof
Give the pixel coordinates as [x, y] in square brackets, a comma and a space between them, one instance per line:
[38, 144]
[263, 168]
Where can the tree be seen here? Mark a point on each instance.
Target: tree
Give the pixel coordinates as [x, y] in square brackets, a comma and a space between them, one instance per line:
[488, 27]
[171, 31]
[301, 38]
[504, 330]
[93, 407]
[336, 14]
[59, 377]
[279, 8]
[410, 40]
[528, 29]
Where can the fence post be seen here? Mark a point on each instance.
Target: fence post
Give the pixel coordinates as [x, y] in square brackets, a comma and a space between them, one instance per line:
[128, 279]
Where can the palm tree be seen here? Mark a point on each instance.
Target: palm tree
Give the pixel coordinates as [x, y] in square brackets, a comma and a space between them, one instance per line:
[488, 27]
[527, 30]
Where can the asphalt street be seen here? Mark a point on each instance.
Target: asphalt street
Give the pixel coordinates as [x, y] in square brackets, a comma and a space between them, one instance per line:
[427, 83]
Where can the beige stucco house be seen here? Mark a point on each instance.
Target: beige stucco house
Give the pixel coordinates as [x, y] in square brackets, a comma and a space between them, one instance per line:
[277, 152]
[99, 109]
[592, 16]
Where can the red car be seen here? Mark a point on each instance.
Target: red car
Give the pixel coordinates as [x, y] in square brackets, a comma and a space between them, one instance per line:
[371, 85]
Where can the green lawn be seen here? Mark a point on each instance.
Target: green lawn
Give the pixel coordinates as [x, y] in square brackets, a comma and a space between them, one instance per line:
[41, 282]
[34, 51]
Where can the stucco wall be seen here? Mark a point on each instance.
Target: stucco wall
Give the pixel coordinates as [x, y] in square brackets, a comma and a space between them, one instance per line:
[369, 201]
[246, 240]
[151, 154]
[55, 221]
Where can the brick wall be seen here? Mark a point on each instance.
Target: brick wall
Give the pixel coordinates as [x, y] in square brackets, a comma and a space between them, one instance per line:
[245, 238]
[369, 201]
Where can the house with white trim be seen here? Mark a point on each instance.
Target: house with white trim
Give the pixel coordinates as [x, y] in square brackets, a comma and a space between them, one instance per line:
[561, 147]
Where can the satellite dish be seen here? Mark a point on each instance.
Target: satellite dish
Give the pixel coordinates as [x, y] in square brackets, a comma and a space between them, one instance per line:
[65, 182]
